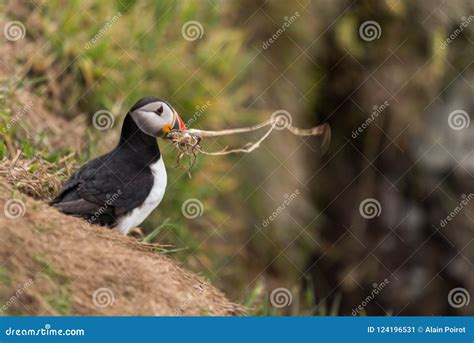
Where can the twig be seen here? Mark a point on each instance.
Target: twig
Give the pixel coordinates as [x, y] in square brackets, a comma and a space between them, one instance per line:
[189, 141]
[205, 133]
[246, 149]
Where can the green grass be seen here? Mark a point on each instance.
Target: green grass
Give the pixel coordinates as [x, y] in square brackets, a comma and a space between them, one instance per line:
[5, 279]
[155, 232]
[60, 300]
[48, 269]
[144, 53]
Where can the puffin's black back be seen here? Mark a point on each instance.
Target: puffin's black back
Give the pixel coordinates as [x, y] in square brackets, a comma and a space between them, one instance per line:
[113, 184]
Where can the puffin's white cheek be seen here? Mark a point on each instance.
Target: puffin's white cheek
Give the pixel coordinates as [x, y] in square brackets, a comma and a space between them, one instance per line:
[149, 123]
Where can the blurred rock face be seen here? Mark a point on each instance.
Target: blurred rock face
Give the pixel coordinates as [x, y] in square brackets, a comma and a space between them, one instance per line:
[414, 160]
[386, 78]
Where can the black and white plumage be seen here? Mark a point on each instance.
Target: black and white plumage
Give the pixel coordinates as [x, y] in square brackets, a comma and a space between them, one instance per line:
[121, 188]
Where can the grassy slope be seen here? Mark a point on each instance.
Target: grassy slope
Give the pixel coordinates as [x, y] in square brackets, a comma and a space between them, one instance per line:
[51, 84]
[68, 260]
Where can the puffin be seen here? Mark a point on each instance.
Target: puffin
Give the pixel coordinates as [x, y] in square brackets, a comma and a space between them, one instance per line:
[120, 189]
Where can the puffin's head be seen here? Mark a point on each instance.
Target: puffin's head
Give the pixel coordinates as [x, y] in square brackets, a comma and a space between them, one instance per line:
[156, 117]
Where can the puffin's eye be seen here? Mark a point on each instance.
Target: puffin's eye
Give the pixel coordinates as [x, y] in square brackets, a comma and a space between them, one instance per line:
[159, 111]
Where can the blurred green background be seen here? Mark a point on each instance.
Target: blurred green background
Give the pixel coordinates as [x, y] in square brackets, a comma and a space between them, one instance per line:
[252, 58]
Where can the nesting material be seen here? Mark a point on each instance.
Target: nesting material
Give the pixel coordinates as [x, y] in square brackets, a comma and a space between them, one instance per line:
[37, 177]
[188, 142]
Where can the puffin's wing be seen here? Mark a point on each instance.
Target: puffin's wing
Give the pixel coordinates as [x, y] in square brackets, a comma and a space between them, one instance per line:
[69, 200]
[105, 182]
[93, 212]
[124, 189]
[79, 207]
[69, 190]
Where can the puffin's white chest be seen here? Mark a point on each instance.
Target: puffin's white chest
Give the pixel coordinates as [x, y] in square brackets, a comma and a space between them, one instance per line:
[139, 214]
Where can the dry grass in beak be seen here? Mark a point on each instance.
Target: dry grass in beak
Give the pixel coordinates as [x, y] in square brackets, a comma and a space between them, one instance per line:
[189, 142]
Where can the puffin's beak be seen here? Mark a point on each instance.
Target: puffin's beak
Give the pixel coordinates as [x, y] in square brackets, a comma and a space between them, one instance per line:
[179, 124]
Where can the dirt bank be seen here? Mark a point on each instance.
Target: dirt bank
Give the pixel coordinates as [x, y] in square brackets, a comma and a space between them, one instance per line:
[52, 264]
